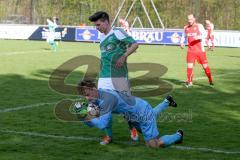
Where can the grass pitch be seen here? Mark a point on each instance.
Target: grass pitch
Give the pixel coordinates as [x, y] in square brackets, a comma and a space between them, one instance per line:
[30, 130]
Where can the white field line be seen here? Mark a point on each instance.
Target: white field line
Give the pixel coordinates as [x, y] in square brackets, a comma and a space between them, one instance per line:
[205, 77]
[41, 104]
[80, 138]
[219, 75]
[20, 52]
[25, 107]
[34, 52]
[97, 139]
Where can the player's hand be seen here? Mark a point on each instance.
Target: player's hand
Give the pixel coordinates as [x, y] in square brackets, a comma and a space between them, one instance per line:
[120, 61]
[181, 45]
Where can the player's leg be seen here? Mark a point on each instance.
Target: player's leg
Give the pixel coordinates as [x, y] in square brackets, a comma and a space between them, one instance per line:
[51, 41]
[122, 85]
[189, 74]
[150, 134]
[168, 101]
[203, 61]
[208, 73]
[175, 138]
[103, 123]
[207, 43]
[190, 63]
[166, 140]
[54, 45]
[212, 42]
[134, 129]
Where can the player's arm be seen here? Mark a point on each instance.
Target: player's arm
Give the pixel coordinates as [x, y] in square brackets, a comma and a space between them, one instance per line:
[183, 39]
[109, 102]
[132, 46]
[211, 30]
[100, 122]
[49, 22]
[45, 29]
[131, 49]
[203, 33]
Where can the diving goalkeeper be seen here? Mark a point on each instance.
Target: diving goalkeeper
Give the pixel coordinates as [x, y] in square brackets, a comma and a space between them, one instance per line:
[139, 112]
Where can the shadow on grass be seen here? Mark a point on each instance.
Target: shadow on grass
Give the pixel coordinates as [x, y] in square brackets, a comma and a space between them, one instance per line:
[215, 111]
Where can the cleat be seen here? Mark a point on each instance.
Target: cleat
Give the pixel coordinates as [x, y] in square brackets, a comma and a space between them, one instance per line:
[188, 85]
[180, 132]
[171, 101]
[134, 134]
[211, 84]
[212, 48]
[106, 140]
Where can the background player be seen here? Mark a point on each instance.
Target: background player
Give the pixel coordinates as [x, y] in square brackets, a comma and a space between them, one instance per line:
[124, 25]
[210, 35]
[195, 34]
[52, 25]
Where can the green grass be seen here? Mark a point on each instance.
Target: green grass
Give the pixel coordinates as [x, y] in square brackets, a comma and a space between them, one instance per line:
[209, 116]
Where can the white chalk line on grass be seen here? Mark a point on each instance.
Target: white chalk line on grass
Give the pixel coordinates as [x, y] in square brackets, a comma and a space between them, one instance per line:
[21, 52]
[205, 77]
[35, 134]
[219, 75]
[50, 103]
[25, 107]
[97, 139]
[29, 106]
[33, 52]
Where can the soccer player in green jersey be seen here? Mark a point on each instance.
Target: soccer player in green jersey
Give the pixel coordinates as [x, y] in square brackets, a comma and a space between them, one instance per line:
[115, 45]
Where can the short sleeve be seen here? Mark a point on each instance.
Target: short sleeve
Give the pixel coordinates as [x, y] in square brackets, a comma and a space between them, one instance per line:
[123, 36]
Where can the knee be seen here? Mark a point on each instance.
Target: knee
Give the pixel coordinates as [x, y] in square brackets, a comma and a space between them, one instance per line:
[154, 143]
[205, 65]
[189, 65]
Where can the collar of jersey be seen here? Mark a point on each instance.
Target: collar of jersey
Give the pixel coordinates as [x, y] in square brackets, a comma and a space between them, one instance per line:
[105, 36]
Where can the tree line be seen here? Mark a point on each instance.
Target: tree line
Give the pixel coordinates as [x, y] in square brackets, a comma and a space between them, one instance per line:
[225, 14]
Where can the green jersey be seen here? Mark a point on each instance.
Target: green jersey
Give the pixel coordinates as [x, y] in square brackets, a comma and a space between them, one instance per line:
[51, 26]
[113, 46]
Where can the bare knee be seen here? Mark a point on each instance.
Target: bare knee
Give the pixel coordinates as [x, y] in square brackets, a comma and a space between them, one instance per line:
[205, 65]
[154, 143]
[189, 65]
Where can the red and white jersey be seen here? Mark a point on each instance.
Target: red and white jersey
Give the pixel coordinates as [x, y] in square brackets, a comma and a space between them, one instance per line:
[209, 28]
[124, 24]
[195, 35]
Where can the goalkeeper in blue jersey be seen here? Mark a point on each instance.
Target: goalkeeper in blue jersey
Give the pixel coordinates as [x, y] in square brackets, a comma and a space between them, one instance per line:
[137, 110]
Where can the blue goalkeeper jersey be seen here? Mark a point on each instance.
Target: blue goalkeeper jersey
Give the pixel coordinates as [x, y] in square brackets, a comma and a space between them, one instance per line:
[133, 108]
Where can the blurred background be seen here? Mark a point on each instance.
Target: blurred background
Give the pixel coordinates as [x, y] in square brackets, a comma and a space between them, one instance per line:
[224, 13]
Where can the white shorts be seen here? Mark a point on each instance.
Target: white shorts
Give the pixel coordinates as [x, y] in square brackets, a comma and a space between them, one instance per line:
[50, 37]
[120, 84]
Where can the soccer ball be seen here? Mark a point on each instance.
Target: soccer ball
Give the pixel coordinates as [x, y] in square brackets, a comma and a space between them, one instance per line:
[93, 110]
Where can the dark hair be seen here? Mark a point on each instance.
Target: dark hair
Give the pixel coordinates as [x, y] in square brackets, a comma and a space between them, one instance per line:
[82, 85]
[100, 15]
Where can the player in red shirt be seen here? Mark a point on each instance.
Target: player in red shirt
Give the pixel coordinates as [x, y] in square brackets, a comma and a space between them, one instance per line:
[195, 34]
[124, 25]
[210, 36]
